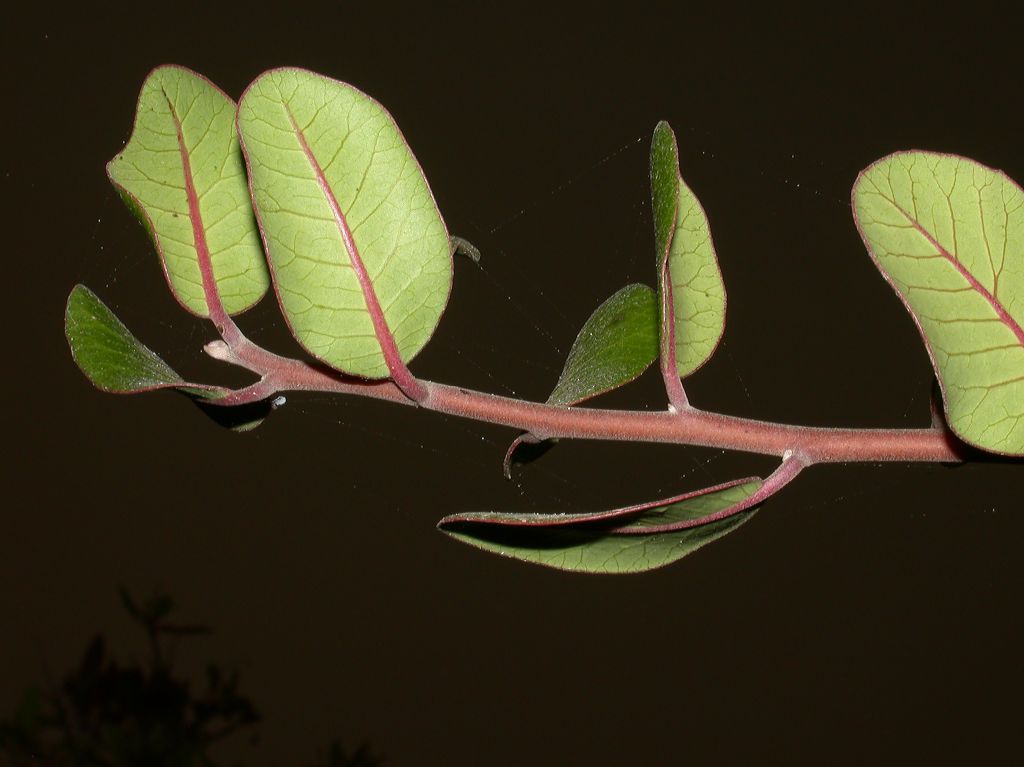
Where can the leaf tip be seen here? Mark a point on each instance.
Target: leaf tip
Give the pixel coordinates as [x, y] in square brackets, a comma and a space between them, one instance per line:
[663, 129]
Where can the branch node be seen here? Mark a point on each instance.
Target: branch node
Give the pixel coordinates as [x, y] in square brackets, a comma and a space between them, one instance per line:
[410, 386]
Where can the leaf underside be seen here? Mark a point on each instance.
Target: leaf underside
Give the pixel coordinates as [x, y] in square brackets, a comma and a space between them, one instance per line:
[616, 344]
[350, 226]
[586, 543]
[106, 351]
[182, 173]
[683, 237]
[948, 235]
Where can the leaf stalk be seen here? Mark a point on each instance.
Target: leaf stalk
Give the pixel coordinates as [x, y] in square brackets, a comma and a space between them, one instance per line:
[792, 464]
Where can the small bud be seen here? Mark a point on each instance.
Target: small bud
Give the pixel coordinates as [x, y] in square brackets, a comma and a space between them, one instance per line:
[219, 351]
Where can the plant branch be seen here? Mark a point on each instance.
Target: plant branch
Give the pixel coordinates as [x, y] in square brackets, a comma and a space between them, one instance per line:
[680, 424]
[686, 427]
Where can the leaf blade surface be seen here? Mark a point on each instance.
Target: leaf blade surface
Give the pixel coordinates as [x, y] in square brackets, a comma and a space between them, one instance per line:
[359, 254]
[182, 173]
[948, 234]
[615, 345]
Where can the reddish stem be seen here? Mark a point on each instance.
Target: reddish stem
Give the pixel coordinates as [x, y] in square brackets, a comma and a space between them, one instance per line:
[686, 427]
[669, 368]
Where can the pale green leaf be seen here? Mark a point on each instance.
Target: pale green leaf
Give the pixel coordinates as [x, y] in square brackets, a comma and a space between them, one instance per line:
[615, 345]
[586, 542]
[357, 248]
[110, 356]
[948, 235]
[183, 175]
[683, 236]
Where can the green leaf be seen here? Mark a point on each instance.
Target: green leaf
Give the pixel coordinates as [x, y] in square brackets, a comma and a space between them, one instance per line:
[589, 543]
[664, 188]
[182, 174]
[948, 234]
[691, 293]
[116, 361]
[358, 250]
[106, 351]
[614, 346]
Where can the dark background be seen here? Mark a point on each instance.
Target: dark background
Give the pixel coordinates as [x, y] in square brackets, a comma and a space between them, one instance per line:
[870, 613]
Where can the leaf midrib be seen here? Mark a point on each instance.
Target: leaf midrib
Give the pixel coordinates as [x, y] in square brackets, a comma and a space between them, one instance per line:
[1003, 315]
[195, 215]
[380, 326]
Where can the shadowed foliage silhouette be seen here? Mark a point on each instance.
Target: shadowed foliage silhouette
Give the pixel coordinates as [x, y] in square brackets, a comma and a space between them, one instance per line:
[108, 714]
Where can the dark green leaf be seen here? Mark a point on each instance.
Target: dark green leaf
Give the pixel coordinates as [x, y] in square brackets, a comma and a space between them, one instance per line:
[615, 346]
[106, 351]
